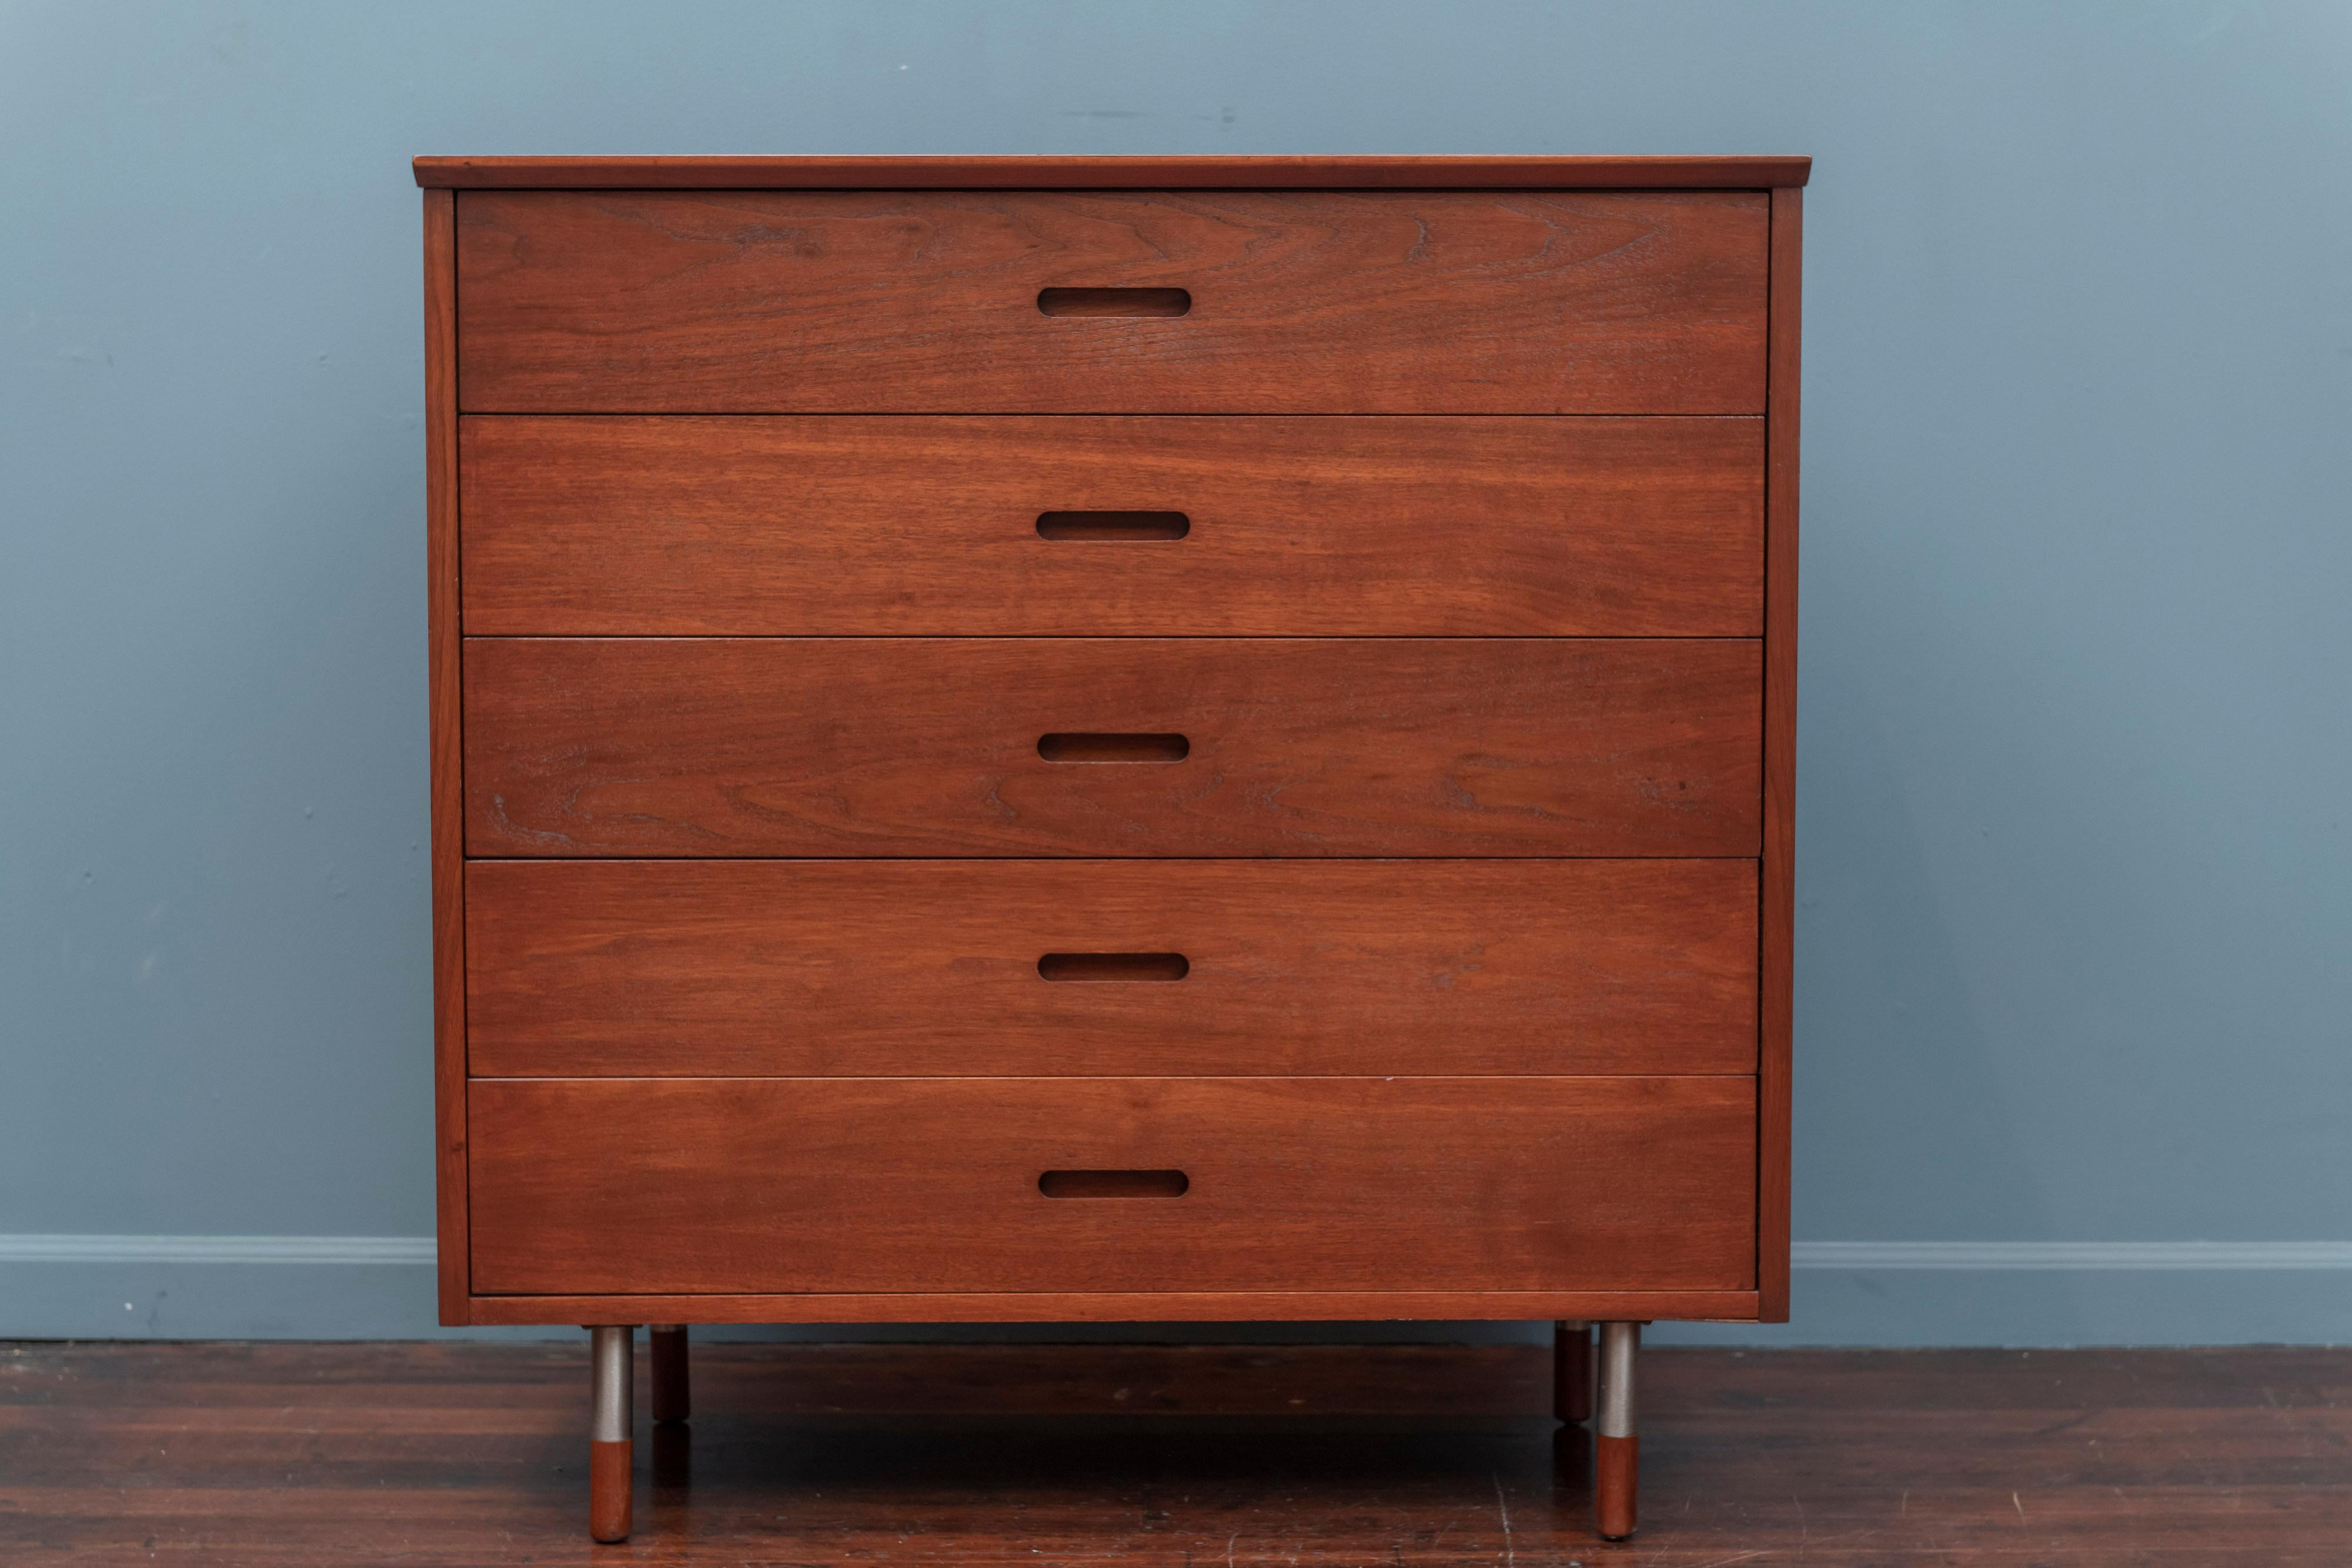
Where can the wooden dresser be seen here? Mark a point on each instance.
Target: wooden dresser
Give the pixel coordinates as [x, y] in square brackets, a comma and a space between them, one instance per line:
[1112, 739]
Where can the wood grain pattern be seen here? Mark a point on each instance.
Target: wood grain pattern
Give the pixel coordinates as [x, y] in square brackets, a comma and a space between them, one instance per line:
[877, 969]
[929, 526]
[920, 171]
[926, 302]
[1778, 915]
[929, 747]
[446, 752]
[1151, 1456]
[887, 1184]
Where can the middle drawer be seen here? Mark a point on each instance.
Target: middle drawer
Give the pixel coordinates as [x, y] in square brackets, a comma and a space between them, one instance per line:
[1197, 746]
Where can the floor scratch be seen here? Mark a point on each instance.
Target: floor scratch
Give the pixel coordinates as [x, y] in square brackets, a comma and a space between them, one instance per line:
[1510, 1552]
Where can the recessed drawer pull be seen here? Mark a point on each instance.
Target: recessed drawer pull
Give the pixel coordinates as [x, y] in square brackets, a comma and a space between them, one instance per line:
[1083, 746]
[1113, 1184]
[1113, 527]
[1113, 966]
[1113, 302]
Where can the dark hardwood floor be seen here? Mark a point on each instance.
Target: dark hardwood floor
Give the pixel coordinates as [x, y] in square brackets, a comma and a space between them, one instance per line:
[445, 1453]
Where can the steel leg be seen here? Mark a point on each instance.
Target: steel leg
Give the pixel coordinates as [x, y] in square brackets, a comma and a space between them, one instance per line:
[1617, 1446]
[611, 1375]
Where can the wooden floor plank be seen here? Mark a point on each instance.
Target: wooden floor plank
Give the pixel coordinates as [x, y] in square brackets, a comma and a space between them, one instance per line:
[979, 1457]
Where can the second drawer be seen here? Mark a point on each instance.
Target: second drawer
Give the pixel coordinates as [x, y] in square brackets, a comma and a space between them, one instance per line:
[974, 968]
[1002, 526]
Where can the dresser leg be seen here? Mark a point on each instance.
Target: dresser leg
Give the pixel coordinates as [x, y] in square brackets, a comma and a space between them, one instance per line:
[611, 1375]
[673, 1391]
[1571, 1371]
[1618, 1446]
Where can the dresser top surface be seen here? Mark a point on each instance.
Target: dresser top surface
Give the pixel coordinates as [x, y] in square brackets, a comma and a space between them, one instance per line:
[918, 172]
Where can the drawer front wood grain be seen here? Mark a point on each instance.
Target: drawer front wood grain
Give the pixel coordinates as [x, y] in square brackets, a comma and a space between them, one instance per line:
[1010, 525]
[1351, 1183]
[1202, 746]
[941, 968]
[1066, 302]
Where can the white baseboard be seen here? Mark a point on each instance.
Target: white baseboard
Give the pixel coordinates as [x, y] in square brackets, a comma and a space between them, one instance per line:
[1850, 1293]
[1981, 1255]
[1848, 1255]
[49, 1249]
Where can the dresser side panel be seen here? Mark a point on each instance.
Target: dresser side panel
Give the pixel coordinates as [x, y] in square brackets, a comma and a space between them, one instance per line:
[446, 648]
[1777, 917]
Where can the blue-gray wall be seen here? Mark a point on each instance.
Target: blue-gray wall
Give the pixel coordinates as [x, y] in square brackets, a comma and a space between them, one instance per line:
[2074, 883]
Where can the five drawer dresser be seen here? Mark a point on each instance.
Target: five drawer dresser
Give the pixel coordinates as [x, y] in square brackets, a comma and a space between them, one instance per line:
[1112, 739]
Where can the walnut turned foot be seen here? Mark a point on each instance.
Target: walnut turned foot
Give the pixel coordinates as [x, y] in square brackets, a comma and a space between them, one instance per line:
[609, 1426]
[1571, 1371]
[609, 1509]
[672, 1392]
[1617, 1447]
[1616, 1469]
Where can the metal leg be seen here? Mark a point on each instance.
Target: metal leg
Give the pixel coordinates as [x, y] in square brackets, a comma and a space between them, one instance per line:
[1572, 1370]
[673, 1393]
[611, 1370]
[1617, 1446]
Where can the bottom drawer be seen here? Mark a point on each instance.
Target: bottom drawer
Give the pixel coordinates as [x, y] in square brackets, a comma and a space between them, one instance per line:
[781, 1185]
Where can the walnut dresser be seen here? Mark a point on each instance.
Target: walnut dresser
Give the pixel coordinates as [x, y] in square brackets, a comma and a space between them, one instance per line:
[1088, 738]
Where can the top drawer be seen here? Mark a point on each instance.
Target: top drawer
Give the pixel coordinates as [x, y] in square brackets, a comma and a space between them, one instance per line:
[1112, 301]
